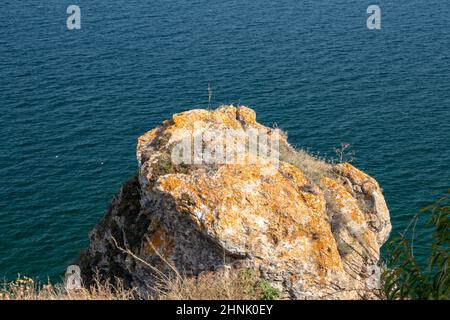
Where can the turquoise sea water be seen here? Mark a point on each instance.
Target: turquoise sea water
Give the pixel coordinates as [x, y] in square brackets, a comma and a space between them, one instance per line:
[74, 102]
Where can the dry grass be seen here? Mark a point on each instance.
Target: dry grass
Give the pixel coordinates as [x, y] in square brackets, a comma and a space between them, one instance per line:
[242, 284]
[24, 288]
[314, 167]
[239, 285]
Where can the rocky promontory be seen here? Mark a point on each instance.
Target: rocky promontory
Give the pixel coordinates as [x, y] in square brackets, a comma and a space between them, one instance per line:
[207, 197]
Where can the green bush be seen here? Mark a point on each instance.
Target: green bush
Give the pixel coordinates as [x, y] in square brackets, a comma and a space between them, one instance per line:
[259, 287]
[404, 277]
[268, 292]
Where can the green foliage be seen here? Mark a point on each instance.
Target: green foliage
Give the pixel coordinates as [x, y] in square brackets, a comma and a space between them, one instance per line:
[404, 278]
[268, 292]
[259, 287]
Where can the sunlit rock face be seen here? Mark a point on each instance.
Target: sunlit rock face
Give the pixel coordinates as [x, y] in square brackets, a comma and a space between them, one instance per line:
[314, 234]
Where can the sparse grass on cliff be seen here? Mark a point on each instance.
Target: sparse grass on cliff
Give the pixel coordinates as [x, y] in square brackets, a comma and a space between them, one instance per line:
[239, 285]
[314, 167]
[24, 288]
[235, 284]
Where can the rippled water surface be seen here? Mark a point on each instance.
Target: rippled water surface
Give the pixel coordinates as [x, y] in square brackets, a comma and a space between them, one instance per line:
[74, 102]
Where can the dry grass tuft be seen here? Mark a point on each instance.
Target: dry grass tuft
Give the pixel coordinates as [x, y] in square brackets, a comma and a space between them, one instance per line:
[241, 284]
[314, 167]
[238, 285]
[24, 288]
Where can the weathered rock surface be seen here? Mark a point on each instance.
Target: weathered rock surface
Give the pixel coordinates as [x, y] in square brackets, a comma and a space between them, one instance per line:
[314, 234]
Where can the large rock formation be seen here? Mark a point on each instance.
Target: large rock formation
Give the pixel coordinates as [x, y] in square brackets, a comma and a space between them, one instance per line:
[312, 229]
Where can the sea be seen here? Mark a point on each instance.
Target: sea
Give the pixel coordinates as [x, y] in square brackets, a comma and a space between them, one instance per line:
[74, 101]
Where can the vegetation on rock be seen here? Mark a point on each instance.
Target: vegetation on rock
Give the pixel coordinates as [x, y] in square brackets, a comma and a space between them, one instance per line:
[242, 284]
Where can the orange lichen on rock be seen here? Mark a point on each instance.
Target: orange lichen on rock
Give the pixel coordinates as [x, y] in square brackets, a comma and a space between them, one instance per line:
[357, 177]
[345, 202]
[248, 209]
[246, 115]
[274, 213]
[315, 238]
[159, 243]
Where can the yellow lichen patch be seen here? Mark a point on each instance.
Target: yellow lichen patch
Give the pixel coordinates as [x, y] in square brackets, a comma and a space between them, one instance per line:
[347, 205]
[253, 211]
[187, 119]
[292, 173]
[222, 117]
[225, 117]
[160, 243]
[246, 115]
[315, 202]
[359, 177]
[327, 255]
[147, 137]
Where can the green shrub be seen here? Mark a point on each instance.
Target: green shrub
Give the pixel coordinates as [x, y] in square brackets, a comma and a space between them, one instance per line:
[259, 287]
[268, 292]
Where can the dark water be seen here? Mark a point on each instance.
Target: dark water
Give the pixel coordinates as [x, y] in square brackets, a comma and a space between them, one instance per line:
[74, 102]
